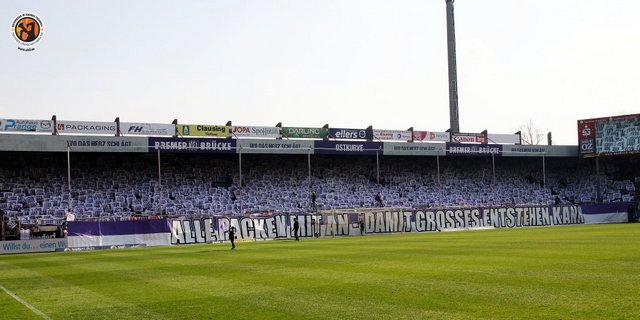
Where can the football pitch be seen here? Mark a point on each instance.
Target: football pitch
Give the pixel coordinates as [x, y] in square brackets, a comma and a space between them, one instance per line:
[570, 272]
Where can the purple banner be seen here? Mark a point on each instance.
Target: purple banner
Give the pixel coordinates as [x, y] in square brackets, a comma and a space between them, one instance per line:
[192, 145]
[473, 150]
[113, 228]
[605, 208]
[347, 147]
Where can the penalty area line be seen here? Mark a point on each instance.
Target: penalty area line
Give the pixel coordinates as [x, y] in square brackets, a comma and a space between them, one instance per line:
[26, 304]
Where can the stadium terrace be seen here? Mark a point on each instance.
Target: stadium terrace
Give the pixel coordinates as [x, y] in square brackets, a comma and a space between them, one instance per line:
[260, 181]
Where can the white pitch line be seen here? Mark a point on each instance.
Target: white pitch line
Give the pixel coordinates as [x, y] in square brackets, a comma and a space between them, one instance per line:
[26, 304]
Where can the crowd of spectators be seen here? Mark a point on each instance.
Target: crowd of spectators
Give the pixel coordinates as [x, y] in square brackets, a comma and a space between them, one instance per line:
[37, 188]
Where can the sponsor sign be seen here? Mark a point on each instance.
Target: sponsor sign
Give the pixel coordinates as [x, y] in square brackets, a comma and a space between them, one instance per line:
[539, 151]
[349, 134]
[275, 146]
[414, 149]
[50, 143]
[459, 149]
[192, 145]
[348, 147]
[401, 135]
[587, 129]
[431, 136]
[587, 146]
[28, 246]
[18, 125]
[84, 127]
[201, 130]
[524, 150]
[298, 132]
[262, 132]
[147, 129]
[102, 144]
[468, 138]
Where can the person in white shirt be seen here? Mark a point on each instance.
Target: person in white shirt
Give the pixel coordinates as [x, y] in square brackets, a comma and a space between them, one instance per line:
[69, 216]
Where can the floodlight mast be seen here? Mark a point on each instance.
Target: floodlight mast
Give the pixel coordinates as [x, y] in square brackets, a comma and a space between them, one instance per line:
[454, 120]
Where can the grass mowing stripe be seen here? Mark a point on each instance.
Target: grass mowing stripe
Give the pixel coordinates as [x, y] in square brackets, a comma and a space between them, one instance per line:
[26, 304]
[14, 310]
[52, 284]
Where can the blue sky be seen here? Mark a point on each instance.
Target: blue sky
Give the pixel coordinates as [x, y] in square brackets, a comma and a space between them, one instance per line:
[343, 62]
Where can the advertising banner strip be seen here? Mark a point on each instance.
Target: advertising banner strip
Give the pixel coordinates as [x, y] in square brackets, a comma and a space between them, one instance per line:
[275, 146]
[473, 150]
[192, 145]
[19, 125]
[398, 135]
[299, 132]
[431, 136]
[147, 129]
[86, 127]
[257, 132]
[348, 147]
[200, 130]
[29, 246]
[349, 134]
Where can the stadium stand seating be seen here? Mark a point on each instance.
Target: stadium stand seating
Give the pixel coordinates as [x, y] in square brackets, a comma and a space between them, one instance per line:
[34, 187]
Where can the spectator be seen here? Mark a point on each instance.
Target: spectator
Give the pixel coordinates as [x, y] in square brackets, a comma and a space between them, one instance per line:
[379, 200]
[314, 207]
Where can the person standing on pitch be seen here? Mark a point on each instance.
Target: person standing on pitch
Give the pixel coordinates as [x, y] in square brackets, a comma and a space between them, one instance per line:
[232, 237]
[295, 228]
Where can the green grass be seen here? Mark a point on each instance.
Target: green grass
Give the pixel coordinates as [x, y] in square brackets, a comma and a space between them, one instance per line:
[574, 272]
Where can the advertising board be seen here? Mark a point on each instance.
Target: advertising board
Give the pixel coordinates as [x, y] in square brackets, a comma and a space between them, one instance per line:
[86, 127]
[21, 125]
[147, 129]
[256, 132]
[203, 130]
